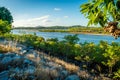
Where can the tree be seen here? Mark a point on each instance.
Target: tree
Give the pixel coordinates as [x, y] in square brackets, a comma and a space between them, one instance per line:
[4, 26]
[5, 15]
[6, 20]
[101, 11]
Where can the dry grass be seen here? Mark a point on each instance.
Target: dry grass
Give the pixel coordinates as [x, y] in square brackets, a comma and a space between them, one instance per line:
[83, 74]
[46, 74]
[68, 66]
[8, 48]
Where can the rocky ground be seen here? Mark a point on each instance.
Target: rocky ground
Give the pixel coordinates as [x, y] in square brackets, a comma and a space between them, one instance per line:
[19, 62]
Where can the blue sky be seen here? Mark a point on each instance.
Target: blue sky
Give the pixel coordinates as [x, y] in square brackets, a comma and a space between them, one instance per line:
[45, 12]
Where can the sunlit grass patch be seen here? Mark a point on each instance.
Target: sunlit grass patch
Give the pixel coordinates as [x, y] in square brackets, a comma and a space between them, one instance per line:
[8, 48]
[68, 66]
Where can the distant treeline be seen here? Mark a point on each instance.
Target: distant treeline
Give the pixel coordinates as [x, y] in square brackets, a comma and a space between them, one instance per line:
[86, 29]
[74, 29]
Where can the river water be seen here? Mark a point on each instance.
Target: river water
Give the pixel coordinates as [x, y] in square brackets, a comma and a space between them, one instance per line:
[83, 37]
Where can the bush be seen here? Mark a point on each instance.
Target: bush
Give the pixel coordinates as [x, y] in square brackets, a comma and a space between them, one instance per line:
[5, 26]
[72, 39]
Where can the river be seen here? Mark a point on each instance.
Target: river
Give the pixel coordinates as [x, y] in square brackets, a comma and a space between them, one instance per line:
[83, 37]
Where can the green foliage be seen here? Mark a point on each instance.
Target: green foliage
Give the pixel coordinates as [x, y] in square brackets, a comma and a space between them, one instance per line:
[101, 11]
[53, 39]
[117, 74]
[4, 26]
[102, 54]
[5, 15]
[72, 39]
[97, 30]
[53, 30]
[75, 29]
[6, 20]
[111, 54]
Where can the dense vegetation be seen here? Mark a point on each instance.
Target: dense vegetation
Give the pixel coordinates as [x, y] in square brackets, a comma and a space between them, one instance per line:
[6, 20]
[5, 15]
[5, 26]
[102, 58]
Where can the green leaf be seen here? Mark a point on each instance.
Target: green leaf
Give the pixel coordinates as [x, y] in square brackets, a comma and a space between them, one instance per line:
[85, 5]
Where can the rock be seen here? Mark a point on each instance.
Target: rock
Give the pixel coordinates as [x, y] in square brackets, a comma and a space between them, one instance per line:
[4, 75]
[26, 61]
[20, 48]
[30, 47]
[64, 72]
[30, 69]
[23, 51]
[17, 57]
[3, 67]
[6, 60]
[10, 57]
[72, 77]
[30, 56]
[1, 55]
[18, 70]
[10, 54]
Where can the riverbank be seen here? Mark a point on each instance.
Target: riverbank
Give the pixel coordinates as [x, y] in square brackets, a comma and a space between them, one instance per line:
[74, 29]
[22, 62]
[83, 30]
[84, 37]
[88, 57]
[76, 32]
[89, 33]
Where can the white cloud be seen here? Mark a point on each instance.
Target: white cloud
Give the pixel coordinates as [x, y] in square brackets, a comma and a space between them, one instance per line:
[43, 21]
[66, 16]
[40, 18]
[57, 9]
[46, 20]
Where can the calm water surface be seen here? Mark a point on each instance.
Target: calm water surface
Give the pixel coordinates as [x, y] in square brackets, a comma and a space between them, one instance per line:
[83, 37]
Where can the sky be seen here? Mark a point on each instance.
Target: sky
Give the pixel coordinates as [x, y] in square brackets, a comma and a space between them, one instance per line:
[31, 13]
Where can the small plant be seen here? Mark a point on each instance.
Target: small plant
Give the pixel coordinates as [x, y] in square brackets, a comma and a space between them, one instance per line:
[111, 57]
[72, 39]
[117, 74]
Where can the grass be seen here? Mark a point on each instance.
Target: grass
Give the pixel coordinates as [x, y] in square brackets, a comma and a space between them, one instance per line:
[68, 66]
[8, 48]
